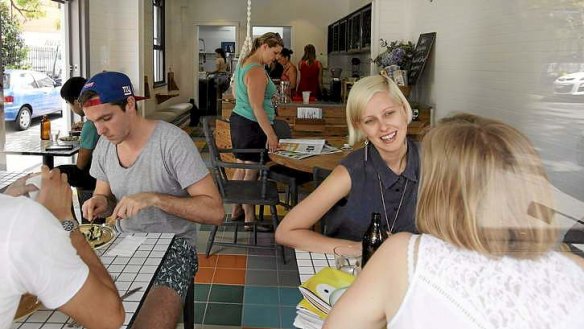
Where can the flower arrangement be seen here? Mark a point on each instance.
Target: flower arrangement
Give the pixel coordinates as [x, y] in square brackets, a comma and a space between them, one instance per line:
[398, 53]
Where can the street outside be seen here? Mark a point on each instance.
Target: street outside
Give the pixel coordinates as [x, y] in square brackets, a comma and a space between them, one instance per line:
[560, 121]
[28, 163]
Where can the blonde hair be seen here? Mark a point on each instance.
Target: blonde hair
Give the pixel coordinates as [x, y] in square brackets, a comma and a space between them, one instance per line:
[361, 94]
[479, 180]
[272, 39]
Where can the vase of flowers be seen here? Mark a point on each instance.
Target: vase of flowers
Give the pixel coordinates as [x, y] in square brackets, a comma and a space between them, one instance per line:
[395, 59]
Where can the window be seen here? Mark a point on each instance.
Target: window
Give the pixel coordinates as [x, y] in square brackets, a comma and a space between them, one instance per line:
[158, 42]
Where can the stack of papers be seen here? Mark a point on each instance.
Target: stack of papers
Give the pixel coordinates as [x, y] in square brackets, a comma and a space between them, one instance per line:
[318, 292]
[303, 148]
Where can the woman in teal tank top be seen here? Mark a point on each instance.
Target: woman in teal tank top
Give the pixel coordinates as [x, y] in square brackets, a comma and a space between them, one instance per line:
[253, 114]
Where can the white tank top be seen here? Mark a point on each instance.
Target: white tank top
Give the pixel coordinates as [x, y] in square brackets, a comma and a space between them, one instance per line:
[454, 288]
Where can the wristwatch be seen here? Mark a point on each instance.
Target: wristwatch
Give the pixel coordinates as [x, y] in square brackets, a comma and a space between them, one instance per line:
[69, 225]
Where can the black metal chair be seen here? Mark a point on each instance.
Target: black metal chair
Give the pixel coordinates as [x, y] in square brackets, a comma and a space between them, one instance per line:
[291, 178]
[318, 176]
[261, 192]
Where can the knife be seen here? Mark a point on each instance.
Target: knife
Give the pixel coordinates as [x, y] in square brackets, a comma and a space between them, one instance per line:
[130, 293]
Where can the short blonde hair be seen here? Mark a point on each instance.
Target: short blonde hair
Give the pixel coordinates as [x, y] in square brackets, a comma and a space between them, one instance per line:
[479, 179]
[361, 94]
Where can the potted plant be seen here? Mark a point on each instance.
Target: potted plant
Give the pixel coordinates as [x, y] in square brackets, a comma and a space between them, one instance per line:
[395, 58]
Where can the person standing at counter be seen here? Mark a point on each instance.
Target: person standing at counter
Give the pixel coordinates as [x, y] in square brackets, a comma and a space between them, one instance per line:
[289, 73]
[483, 259]
[220, 61]
[310, 70]
[380, 177]
[253, 114]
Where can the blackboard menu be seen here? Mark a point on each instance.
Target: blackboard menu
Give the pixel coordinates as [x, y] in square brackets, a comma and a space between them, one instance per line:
[423, 48]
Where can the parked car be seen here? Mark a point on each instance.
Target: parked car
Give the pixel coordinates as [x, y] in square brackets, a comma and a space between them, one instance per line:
[570, 84]
[29, 94]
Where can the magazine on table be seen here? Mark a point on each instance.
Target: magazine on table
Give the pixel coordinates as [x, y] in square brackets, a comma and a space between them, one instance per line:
[304, 148]
[320, 292]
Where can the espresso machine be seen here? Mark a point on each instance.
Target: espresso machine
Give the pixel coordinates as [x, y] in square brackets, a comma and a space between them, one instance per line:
[336, 84]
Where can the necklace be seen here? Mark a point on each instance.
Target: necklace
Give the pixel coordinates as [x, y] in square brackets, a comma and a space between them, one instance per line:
[401, 199]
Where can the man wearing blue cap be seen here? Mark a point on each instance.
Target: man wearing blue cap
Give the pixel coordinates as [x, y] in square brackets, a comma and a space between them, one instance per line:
[152, 176]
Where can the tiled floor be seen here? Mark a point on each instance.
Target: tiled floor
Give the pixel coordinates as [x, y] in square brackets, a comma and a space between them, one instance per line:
[244, 288]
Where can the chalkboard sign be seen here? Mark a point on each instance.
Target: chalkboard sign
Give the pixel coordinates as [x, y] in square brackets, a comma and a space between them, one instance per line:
[423, 47]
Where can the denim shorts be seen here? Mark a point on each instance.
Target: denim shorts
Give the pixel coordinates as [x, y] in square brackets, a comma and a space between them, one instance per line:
[178, 267]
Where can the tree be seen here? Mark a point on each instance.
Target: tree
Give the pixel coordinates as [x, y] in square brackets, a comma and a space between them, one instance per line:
[27, 9]
[14, 51]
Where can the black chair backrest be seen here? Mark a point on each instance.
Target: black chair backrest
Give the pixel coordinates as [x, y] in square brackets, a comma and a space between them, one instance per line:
[319, 175]
[215, 159]
[282, 129]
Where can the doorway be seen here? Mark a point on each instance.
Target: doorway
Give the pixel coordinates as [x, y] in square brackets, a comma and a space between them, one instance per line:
[209, 37]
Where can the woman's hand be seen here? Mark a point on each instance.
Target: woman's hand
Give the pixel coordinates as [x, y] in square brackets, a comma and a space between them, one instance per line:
[273, 143]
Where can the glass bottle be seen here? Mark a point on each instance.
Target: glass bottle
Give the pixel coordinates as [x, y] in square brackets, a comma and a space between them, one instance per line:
[373, 238]
[45, 128]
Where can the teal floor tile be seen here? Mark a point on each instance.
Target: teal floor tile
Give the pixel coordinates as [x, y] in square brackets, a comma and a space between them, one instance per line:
[261, 278]
[261, 316]
[223, 314]
[200, 312]
[226, 293]
[260, 295]
[289, 296]
[202, 292]
[287, 315]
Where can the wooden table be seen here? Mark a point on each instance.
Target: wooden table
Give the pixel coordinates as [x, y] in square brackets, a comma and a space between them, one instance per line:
[138, 270]
[326, 161]
[39, 147]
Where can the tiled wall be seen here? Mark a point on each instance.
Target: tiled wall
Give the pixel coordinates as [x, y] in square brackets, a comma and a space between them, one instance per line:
[496, 58]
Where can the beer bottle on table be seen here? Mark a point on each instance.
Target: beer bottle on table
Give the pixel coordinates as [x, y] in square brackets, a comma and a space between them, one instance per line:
[45, 128]
[373, 238]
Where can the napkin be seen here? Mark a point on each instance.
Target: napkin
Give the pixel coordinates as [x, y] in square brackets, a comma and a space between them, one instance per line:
[127, 247]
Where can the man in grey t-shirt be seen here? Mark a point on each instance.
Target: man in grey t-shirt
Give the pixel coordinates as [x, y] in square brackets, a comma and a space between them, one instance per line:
[154, 176]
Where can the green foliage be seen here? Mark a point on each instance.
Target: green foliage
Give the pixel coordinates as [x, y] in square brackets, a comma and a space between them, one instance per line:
[27, 9]
[398, 53]
[14, 51]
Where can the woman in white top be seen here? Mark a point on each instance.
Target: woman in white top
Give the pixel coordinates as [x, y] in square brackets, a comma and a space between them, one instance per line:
[487, 256]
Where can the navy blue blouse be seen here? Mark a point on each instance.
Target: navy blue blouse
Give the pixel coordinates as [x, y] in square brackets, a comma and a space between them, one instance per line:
[350, 217]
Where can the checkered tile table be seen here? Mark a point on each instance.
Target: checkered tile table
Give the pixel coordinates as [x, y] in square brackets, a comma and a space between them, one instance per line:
[309, 263]
[129, 273]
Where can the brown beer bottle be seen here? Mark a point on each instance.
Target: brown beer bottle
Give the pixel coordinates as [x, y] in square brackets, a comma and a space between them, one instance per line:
[45, 128]
[373, 238]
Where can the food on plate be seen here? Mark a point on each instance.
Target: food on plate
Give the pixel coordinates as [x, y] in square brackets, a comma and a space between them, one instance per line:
[93, 234]
[69, 138]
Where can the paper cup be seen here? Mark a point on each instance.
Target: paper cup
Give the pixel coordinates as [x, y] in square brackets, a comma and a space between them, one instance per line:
[305, 97]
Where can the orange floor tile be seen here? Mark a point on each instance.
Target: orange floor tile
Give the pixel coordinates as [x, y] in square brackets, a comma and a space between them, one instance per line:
[232, 261]
[229, 276]
[205, 261]
[205, 275]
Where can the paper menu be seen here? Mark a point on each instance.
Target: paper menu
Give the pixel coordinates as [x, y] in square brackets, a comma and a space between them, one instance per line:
[309, 113]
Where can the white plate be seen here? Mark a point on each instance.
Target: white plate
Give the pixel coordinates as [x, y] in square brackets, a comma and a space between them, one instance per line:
[107, 235]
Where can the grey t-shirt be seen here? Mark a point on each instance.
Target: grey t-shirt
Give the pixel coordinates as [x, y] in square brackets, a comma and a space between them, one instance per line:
[169, 163]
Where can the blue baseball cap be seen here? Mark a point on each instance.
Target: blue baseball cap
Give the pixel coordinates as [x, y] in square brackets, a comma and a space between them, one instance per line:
[110, 87]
